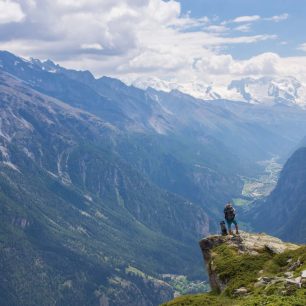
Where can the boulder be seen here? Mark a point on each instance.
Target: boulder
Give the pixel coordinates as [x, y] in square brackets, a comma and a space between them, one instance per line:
[295, 265]
[293, 283]
[241, 291]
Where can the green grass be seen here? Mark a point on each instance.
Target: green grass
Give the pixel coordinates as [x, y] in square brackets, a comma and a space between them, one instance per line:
[241, 202]
[238, 270]
[182, 285]
[242, 270]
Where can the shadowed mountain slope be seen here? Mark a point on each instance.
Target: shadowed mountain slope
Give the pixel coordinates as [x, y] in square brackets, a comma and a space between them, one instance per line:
[75, 216]
[282, 213]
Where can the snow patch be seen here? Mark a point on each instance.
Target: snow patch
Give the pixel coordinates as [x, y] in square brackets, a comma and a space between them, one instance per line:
[84, 213]
[158, 126]
[88, 197]
[52, 174]
[11, 165]
[4, 153]
[62, 165]
[28, 153]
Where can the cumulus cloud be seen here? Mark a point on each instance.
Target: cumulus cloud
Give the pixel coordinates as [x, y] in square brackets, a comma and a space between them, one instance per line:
[263, 64]
[131, 38]
[10, 12]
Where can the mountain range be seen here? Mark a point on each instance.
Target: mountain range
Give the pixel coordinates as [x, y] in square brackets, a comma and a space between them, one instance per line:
[105, 187]
[264, 90]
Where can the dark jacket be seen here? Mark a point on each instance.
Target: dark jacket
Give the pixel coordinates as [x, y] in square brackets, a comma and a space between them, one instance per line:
[229, 213]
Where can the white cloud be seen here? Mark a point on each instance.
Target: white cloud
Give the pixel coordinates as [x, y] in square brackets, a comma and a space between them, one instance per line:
[217, 28]
[92, 46]
[278, 18]
[243, 28]
[247, 18]
[10, 12]
[245, 39]
[133, 38]
[253, 18]
[302, 47]
[263, 64]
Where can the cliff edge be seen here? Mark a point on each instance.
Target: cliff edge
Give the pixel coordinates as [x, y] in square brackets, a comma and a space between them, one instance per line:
[251, 269]
[245, 243]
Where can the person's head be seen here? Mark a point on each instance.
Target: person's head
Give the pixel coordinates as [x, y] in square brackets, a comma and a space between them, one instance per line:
[228, 204]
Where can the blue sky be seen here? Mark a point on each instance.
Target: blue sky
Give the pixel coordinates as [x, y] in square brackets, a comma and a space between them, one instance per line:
[290, 32]
[195, 41]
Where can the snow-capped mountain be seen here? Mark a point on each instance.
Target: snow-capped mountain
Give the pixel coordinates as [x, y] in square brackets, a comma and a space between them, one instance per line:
[287, 90]
[195, 89]
[265, 90]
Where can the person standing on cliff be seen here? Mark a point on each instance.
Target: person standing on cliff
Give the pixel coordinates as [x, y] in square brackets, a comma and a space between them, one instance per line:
[229, 215]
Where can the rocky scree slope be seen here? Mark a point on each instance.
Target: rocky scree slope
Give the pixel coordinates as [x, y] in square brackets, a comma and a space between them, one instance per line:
[251, 269]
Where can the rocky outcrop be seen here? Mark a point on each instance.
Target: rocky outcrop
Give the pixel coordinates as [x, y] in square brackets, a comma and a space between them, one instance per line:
[251, 269]
[245, 243]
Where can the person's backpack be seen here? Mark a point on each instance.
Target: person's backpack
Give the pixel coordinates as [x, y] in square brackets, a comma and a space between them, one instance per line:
[223, 228]
[229, 213]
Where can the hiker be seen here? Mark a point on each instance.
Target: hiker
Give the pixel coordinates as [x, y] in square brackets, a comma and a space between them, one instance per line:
[229, 214]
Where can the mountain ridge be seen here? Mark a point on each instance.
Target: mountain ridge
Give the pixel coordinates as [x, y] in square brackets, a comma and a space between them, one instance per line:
[263, 90]
[69, 200]
[268, 90]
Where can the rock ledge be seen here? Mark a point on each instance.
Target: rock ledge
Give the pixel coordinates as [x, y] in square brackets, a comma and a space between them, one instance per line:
[245, 243]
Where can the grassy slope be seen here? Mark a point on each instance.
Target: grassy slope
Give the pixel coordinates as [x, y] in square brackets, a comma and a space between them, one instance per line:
[243, 271]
